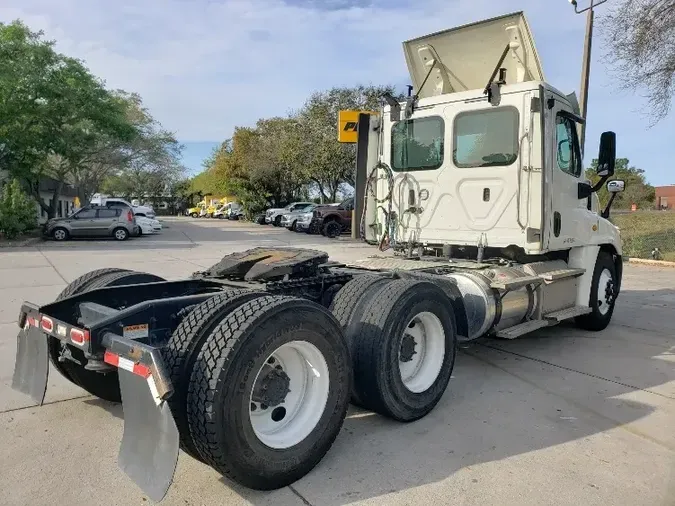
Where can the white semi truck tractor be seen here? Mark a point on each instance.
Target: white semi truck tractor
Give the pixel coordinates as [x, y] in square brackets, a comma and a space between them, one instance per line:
[475, 181]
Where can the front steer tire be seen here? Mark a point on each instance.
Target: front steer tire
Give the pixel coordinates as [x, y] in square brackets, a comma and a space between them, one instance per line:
[598, 319]
[185, 343]
[378, 350]
[221, 388]
[102, 385]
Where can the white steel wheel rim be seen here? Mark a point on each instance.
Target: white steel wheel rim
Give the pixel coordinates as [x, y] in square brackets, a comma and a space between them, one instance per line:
[303, 405]
[603, 281]
[420, 371]
[59, 234]
[120, 234]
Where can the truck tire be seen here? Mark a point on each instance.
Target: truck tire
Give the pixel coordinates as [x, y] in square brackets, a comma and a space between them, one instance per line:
[76, 286]
[449, 286]
[123, 278]
[239, 391]
[400, 372]
[348, 306]
[79, 285]
[603, 295]
[351, 300]
[181, 351]
[102, 385]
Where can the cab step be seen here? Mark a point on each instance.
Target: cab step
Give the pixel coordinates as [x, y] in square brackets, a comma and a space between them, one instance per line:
[566, 314]
[515, 284]
[522, 329]
[562, 274]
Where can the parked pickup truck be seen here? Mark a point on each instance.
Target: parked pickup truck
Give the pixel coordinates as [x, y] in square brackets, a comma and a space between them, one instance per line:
[332, 220]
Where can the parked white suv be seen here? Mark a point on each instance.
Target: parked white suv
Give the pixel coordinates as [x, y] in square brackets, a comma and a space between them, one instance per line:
[274, 215]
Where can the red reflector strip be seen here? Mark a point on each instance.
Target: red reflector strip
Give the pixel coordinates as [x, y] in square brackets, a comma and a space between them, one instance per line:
[78, 336]
[32, 321]
[126, 364]
[47, 324]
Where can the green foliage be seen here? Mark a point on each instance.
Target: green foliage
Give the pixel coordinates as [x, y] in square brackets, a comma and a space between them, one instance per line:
[328, 164]
[145, 166]
[643, 231]
[59, 120]
[638, 191]
[281, 158]
[17, 211]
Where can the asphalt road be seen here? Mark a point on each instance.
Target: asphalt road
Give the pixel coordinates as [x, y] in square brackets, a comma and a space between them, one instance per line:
[560, 417]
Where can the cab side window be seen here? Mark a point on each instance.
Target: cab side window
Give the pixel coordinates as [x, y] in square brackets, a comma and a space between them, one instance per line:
[568, 153]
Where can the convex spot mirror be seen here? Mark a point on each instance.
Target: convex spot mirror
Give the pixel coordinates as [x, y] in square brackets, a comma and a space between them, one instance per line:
[616, 186]
[607, 154]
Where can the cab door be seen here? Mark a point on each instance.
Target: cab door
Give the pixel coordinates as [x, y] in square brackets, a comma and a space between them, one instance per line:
[564, 220]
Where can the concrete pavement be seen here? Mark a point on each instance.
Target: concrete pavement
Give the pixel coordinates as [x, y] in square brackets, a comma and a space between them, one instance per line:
[561, 417]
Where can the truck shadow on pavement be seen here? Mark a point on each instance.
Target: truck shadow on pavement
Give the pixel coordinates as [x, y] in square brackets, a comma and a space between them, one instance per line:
[508, 400]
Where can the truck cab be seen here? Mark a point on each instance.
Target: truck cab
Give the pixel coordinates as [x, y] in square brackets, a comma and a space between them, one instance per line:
[479, 162]
[483, 161]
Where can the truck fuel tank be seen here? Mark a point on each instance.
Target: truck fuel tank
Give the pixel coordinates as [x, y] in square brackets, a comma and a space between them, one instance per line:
[489, 309]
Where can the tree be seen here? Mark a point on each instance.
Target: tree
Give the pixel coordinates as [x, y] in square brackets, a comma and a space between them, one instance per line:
[640, 35]
[638, 190]
[279, 159]
[55, 112]
[329, 164]
[145, 166]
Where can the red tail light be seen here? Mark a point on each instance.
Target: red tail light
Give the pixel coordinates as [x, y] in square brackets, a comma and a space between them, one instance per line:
[47, 324]
[130, 216]
[78, 336]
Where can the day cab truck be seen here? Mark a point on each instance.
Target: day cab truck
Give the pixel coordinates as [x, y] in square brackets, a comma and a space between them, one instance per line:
[475, 181]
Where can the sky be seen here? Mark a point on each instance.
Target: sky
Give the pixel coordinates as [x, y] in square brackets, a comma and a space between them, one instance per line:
[206, 66]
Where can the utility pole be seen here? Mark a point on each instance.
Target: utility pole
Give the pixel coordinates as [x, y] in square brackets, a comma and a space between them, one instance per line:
[585, 65]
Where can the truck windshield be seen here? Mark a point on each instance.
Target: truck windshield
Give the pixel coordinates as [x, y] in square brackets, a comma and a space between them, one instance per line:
[417, 144]
[484, 138]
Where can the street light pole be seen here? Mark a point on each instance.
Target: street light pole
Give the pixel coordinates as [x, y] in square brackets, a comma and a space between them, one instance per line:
[585, 76]
[585, 65]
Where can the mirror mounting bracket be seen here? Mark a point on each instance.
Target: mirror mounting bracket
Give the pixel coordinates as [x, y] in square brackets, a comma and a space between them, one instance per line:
[585, 190]
[605, 213]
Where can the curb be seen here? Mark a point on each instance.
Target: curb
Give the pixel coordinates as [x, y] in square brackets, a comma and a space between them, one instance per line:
[655, 263]
[20, 243]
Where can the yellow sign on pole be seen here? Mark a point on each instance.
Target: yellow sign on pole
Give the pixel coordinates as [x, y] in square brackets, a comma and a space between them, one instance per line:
[348, 123]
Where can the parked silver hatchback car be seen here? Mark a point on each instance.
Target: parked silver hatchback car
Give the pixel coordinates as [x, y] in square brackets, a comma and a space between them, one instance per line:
[94, 221]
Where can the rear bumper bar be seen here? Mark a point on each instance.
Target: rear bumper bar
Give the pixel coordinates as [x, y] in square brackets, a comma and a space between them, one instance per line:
[149, 449]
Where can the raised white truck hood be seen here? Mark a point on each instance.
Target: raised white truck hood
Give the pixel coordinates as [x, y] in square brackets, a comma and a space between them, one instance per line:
[466, 56]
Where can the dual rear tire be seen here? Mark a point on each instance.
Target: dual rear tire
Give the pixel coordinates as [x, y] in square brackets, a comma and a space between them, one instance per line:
[268, 391]
[402, 337]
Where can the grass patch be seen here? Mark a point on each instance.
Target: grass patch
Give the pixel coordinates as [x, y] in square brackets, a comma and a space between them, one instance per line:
[643, 231]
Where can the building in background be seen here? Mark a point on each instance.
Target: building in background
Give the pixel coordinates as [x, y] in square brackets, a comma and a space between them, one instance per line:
[665, 197]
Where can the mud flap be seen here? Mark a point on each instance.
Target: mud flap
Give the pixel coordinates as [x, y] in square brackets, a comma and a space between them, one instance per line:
[31, 367]
[149, 450]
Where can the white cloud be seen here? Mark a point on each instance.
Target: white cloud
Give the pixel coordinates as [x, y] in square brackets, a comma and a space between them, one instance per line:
[204, 66]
